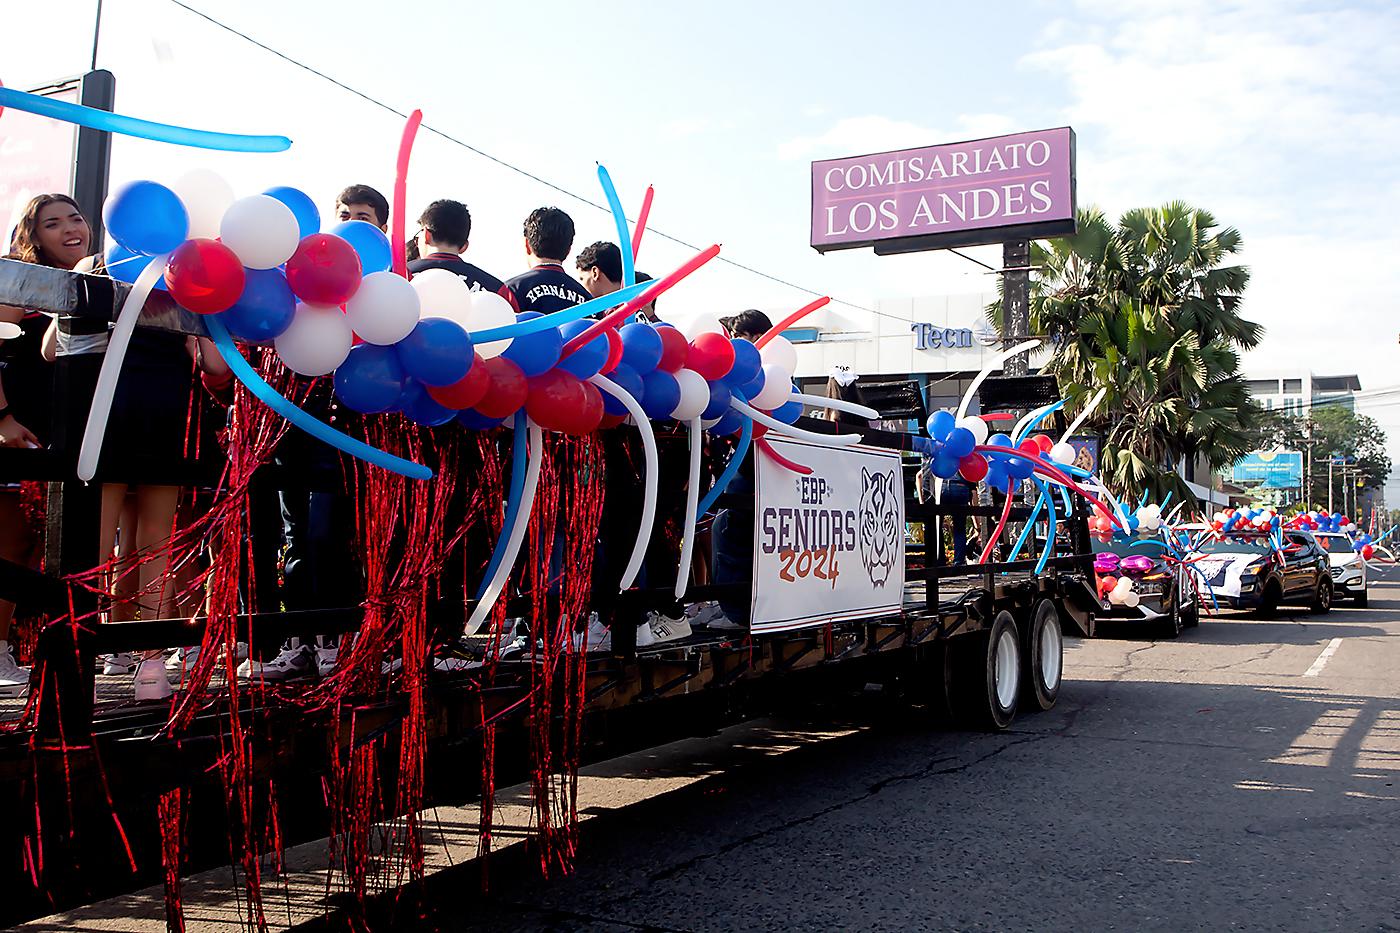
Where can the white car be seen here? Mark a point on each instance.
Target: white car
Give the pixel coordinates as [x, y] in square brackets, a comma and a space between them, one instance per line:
[1348, 569]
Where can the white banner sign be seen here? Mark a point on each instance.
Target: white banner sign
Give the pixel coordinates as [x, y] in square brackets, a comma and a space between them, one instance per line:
[828, 546]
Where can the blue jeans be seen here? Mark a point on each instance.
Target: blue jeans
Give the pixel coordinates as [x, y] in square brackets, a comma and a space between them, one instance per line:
[733, 559]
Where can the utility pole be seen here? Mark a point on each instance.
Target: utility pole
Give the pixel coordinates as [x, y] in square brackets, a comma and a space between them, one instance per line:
[1016, 300]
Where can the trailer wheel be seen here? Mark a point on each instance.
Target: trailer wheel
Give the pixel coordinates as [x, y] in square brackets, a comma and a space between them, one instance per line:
[1044, 656]
[986, 671]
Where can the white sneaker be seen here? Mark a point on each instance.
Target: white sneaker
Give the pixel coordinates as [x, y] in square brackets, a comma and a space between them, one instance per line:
[455, 665]
[152, 683]
[700, 614]
[660, 628]
[14, 680]
[121, 663]
[325, 660]
[292, 661]
[722, 623]
[184, 659]
[598, 637]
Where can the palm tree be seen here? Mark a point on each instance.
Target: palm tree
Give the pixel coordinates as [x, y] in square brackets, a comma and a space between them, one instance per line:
[1148, 309]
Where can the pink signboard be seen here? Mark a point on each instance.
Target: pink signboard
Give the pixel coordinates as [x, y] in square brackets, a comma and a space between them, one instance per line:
[959, 194]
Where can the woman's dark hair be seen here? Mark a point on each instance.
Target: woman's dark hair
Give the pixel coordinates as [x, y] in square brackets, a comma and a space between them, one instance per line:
[550, 233]
[364, 194]
[24, 244]
[449, 222]
[606, 256]
[747, 324]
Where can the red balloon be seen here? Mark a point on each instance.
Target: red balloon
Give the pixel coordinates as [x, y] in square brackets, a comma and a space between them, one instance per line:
[973, 468]
[1029, 446]
[1045, 442]
[711, 355]
[674, 350]
[1367, 551]
[555, 398]
[614, 352]
[611, 421]
[508, 389]
[759, 430]
[590, 414]
[465, 392]
[205, 276]
[325, 270]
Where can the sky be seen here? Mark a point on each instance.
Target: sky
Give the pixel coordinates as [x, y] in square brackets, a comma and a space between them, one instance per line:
[1279, 117]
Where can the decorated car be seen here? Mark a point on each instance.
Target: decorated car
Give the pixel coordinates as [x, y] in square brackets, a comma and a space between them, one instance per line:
[1140, 581]
[1261, 570]
[1349, 570]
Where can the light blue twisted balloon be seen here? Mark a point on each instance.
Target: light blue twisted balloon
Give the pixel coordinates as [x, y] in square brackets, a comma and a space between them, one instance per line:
[624, 236]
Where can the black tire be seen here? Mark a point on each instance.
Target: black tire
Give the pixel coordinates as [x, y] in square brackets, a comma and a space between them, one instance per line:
[1173, 623]
[1043, 657]
[1322, 596]
[1191, 616]
[1273, 595]
[1360, 599]
[986, 675]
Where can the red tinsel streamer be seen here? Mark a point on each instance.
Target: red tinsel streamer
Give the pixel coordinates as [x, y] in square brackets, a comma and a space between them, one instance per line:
[168, 812]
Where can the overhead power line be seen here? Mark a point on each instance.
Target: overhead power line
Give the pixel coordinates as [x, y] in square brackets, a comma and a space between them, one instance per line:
[510, 166]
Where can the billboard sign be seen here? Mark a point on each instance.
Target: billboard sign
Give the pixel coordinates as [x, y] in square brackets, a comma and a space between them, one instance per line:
[993, 190]
[1274, 469]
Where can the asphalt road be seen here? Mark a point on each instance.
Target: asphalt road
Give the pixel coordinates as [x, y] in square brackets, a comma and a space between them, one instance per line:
[1208, 782]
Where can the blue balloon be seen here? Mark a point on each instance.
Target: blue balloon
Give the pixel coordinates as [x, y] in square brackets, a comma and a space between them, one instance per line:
[748, 364]
[471, 418]
[265, 309]
[627, 379]
[960, 442]
[660, 394]
[749, 389]
[719, 400]
[369, 242]
[302, 208]
[641, 346]
[436, 352]
[146, 217]
[590, 357]
[945, 465]
[940, 423]
[125, 266]
[143, 129]
[996, 475]
[1020, 467]
[537, 353]
[421, 408]
[1000, 440]
[788, 412]
[730, 422]
[371, 380]
[300, 419]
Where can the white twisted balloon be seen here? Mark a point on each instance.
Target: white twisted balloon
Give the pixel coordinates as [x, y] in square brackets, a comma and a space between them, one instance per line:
[634, 408]
[994, 363]
[773, 424]
[692, 506]
[487, 602]
[111, 371]
[835, 404]
[1084, 413]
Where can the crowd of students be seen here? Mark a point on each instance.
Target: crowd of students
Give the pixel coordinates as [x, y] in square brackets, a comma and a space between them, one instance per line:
[167, 411]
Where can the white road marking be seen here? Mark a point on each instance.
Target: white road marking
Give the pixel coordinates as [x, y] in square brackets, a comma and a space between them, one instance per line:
[1323, 658]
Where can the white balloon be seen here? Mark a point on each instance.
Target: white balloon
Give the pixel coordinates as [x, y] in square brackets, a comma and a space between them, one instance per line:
[1115, 597]
[444, 294]
[317, 342]
[490, 310]
[976, 425]
[384, 309]
[707, 423]
[1123, 585]
[781, 352]
[695, 395]
[777, 386]
[206, 196]
[701, 324]
[1062, 453]
[261, 231]
[1131, 600]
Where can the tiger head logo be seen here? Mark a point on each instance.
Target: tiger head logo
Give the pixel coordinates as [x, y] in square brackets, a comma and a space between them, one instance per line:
[880, 528]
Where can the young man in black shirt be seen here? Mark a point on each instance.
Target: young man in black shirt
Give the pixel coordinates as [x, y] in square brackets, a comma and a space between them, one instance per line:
[549, 235]
[600, 268]
[446, 228]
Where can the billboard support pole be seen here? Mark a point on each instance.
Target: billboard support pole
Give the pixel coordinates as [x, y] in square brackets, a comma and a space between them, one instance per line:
[1016, 299]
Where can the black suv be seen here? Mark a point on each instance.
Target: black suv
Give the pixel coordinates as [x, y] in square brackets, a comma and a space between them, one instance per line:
[1246, 571]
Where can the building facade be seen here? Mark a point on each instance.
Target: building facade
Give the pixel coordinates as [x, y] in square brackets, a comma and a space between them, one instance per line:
[1297, 391]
